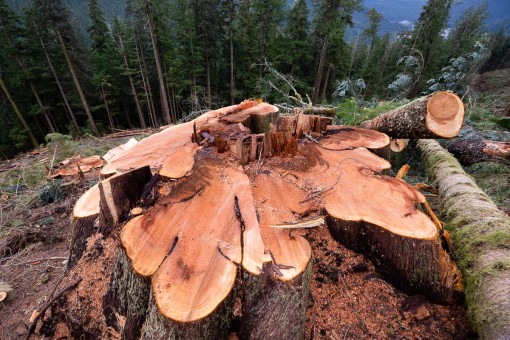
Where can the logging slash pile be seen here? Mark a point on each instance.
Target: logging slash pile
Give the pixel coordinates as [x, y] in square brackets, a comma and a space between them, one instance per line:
[204, 223]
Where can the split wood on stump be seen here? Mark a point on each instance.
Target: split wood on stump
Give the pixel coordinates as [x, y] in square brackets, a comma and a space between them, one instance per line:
[438, 115]
[470, 151]
[481, 234]
[219, 235]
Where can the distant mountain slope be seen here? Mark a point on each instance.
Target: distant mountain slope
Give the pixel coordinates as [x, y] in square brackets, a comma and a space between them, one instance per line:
[398, 14]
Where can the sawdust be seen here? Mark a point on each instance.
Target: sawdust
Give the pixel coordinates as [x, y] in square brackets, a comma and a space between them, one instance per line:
[350, 300]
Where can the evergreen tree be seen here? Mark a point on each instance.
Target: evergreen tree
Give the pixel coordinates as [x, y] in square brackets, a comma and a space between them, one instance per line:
[374, 21]
[426, 40]
[297, 33]
[330, 21]
[467, 30]
[54, 16]
[102, 53]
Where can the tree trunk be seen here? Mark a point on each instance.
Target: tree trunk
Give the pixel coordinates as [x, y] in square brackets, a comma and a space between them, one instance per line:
[162, 87]
[18, 113]
[59, 85]
[438, 115]
[146, 85]
[232, 77]
[110, 118]
[326, 82]
[77, 84]
[208, 81]
[216, 238]
[132, 84]
[320, 70]
[470, 151]
[42, 108]
[480, 233]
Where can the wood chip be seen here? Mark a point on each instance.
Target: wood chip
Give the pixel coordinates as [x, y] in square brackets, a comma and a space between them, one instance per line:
[136, 211]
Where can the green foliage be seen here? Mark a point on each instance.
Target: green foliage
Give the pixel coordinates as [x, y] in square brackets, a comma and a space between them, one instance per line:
[50, 193]
[61, 146]
[351, 113]
[214, 53]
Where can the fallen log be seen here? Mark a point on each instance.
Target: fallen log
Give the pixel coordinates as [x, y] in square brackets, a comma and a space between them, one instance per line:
[222, 235]
[438, 115]
[470, 151]
[320, 111]
[481, 235]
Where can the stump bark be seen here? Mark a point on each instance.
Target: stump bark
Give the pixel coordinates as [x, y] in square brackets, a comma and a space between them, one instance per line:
[438, 115]
[481, 235]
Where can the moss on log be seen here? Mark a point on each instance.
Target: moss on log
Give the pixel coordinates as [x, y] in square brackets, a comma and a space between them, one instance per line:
[481, 239]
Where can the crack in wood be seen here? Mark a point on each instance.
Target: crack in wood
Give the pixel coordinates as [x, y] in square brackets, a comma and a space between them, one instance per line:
[237, 210]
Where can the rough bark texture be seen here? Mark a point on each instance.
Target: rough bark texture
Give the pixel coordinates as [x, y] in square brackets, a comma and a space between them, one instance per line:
[410, 264]
[273, 309]
[127, 296]
[319, 110]
[83, 228]
[422, 118]
[214, 326]
[481, 235]
[470, 151]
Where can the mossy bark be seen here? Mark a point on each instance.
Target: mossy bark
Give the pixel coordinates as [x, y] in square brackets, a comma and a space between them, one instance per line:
[481, 238]
[273, 309]
[414, 265]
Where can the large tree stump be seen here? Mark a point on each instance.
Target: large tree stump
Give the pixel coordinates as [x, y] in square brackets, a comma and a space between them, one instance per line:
[470, 151]
[481, 237]
[219, 237]
[438, 115]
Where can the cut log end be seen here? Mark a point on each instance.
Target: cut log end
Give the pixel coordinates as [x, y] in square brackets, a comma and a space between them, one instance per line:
[445, 114]
[88, 204]
[438, 115]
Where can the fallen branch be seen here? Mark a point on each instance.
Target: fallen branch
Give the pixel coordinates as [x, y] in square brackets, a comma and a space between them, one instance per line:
[33, 325]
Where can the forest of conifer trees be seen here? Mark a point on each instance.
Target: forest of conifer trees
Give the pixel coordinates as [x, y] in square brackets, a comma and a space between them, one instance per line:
[164, 61]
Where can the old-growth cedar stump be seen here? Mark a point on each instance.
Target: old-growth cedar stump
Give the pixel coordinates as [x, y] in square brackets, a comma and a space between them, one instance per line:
[219, 237]
[481, 238]
[438, 115]
[470, 151]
